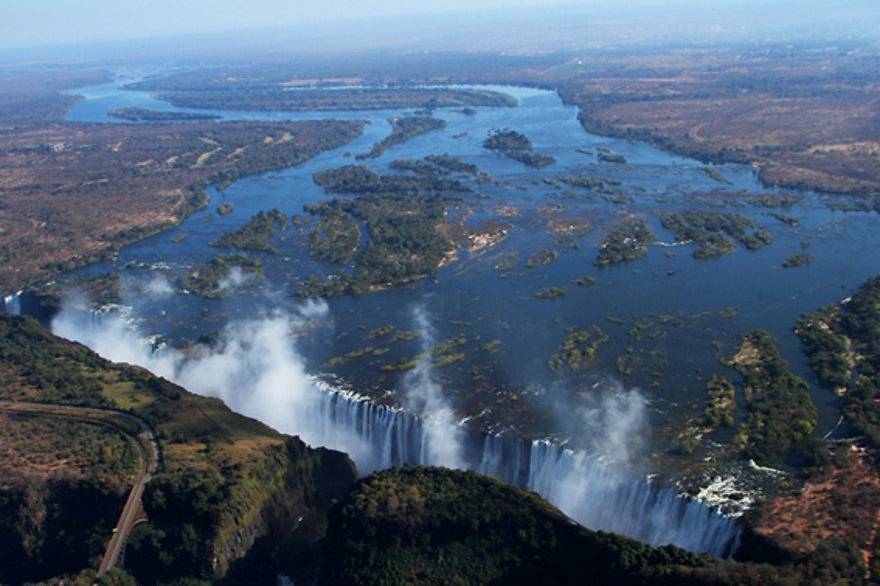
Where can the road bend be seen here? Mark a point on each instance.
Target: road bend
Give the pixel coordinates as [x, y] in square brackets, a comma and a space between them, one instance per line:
[145, 439]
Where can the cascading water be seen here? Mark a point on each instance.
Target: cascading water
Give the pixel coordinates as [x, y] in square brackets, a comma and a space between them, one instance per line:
[597, 494]
[257, 373]
[12, 304]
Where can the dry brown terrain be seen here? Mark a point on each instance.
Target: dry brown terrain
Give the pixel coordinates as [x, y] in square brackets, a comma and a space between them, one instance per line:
[845, 504]
[71, 192]
[36, 449]
[38, 98]
[808, 118]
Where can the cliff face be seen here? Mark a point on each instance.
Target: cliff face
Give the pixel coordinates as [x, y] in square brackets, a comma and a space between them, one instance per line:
[436, 526]
[291, 484]
[224, 481]
[50, 528]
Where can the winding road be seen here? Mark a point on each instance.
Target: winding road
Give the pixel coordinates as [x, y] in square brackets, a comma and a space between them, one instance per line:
[132, 426]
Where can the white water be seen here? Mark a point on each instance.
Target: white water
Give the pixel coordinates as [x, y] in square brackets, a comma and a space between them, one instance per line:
[599, 495]
[257, 372]
[12, 304]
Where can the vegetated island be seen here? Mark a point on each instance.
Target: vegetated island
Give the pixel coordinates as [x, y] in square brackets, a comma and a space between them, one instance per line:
[256, 233]
[798, 260]
[145, 115]
[404, 128]
[115, 184]
[840, 503]
[516, 146]
[626, 241]
[843, 345]
[222, 276]
[406, 241]
[237, 502]
[781, 415]
[274, 98]
[710, 230]
[359, 179]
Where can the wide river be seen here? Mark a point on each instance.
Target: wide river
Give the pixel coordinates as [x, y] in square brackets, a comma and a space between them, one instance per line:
[669, 317]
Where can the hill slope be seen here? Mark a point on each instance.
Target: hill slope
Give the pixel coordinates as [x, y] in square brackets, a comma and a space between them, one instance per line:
[224, 480]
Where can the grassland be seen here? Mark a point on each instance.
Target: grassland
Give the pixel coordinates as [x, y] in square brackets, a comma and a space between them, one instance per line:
[224, 480]
[74, 194]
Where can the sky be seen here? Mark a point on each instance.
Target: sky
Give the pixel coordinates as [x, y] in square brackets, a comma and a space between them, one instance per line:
[26, 24]
[34, 23]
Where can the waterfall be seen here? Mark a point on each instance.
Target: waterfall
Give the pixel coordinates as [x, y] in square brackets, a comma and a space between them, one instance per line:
[12, 304]
[599, 495]
[257, 373]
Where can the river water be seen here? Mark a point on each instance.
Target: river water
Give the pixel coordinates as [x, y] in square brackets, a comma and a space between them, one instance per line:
[687, 311]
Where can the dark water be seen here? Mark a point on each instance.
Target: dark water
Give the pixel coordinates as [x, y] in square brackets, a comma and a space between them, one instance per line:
[471, 298]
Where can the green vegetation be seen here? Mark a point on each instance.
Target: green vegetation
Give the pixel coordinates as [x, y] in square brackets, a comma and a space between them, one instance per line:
[225, 208]
[542, 257]
[420, 167]
[405, 242]
[577, 350]
[103, 289]
[446, 352]
[334, 238]
[272, 97]
[722, 403]
[354, 355]
[452, 164]
[710, 230]
[382, 331]
[256, 233]
[358, 179]
[403, 365]
[492, 346]
[714, 174]
[397, 526]
[626, 241]
[443, 354]
[65, 447]
[516, 146]
[406, 335]
[587, 281]
[781, 417]
[606, 157]
[798, 260]
[224, 480]
[125, 182]
[853, 204]
[222, 276]
[843, 344]
[550, 293]
[772, 200]
[145, 115]
[403, 129]
[793, 222]
[435, 526]
[589, 182]
[253, 502]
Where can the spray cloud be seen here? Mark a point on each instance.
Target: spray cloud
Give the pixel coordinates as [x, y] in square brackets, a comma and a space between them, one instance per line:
[254, 367]
[424, 396]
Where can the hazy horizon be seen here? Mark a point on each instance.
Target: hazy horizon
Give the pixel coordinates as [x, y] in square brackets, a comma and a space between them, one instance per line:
[40, 24]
